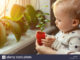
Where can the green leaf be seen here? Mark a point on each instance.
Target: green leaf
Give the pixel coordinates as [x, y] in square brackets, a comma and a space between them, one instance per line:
[31, 14]
[6, 17]
[38, 26]
[46, 20]
[43, 25]
[41, 28]
[3, 37]
[41, 18]
[17, 12]
[41, 22]
[15, 28]
[38, 15]
[28, 17]
[23, 25]
[46, 13]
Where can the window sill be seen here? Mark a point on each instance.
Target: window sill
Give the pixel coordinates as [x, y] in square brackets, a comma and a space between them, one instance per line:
[26, 40]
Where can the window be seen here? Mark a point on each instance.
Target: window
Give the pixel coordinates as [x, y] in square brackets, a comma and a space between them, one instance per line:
[5, 6]
[27, 38]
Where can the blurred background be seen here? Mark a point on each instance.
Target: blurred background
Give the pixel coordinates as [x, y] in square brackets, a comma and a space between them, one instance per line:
[19, 21]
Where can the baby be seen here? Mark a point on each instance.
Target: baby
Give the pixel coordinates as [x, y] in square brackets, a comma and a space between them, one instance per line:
[67, 40]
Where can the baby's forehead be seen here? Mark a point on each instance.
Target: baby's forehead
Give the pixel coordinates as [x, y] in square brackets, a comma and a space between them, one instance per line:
[65, 9]
[69, 8]
[62, 9]
[67, 4]
[62, 13]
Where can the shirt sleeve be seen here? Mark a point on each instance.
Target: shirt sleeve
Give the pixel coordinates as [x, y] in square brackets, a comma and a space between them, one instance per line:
[74, 46]
[56, 44]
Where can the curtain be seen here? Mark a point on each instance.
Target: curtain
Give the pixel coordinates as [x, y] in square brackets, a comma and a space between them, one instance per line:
[5, 5]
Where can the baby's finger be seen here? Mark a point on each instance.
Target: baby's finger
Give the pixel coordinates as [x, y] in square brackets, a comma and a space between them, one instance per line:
[43, 41]
[46, 35]
[50, 38]
[47, 44]
[36, 43]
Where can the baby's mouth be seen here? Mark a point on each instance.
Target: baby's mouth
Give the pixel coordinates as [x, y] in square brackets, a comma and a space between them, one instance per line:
[57, 26]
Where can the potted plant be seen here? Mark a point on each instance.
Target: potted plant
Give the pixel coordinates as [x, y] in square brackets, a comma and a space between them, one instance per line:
[3, 37]
[18, 17]
[23, 25]
[11, 26]
[41, 25]
[17, 12]
[30, 16]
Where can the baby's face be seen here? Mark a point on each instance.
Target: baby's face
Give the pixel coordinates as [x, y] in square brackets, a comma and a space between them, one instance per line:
[63, 20]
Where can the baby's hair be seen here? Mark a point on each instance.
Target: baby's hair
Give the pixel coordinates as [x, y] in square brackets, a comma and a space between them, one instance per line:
[72, 7]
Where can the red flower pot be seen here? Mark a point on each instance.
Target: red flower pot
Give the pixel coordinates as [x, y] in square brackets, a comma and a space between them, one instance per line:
[40, 35]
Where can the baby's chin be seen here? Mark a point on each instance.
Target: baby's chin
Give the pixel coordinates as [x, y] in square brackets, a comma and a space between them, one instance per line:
[64, 31]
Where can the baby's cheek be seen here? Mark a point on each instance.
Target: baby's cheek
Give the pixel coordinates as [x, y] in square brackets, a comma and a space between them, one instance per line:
[68, 26]
[60, 26]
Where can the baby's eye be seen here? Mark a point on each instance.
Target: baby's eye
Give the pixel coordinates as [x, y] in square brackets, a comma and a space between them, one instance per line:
[59, 20]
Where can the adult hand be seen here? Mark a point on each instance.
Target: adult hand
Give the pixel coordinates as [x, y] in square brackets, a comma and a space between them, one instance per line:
[44, 50]
[48, 41]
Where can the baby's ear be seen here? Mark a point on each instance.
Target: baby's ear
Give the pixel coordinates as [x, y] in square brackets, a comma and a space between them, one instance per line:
[75, 22]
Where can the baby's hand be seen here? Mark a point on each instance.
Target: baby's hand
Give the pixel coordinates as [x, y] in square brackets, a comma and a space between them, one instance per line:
[48, 41]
